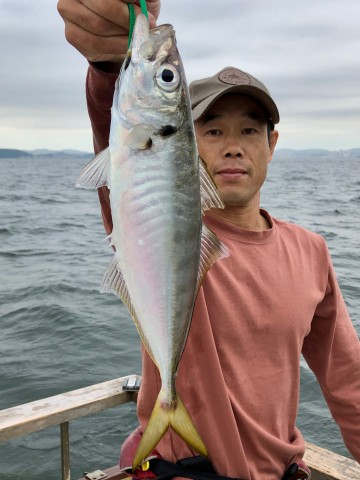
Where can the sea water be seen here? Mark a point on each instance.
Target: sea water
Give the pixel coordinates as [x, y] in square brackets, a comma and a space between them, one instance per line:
[58, 333]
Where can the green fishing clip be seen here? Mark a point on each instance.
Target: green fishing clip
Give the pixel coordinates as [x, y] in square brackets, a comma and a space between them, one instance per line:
[132, 17]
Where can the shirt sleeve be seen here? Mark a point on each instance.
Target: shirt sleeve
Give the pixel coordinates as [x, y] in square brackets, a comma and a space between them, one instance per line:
[99, 95]
[332, 351]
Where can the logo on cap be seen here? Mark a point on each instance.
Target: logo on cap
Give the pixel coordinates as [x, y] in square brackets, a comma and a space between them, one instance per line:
[233, 76]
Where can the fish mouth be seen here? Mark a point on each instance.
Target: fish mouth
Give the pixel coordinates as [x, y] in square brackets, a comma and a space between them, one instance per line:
[127, 60]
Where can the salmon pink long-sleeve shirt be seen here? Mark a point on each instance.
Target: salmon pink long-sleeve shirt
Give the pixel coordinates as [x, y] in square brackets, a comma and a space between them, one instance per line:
[274, 298]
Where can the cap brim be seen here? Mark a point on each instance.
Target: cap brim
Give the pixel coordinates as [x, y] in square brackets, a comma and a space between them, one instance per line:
[267, 103]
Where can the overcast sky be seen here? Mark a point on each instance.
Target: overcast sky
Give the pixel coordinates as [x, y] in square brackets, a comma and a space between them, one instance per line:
[307, 53]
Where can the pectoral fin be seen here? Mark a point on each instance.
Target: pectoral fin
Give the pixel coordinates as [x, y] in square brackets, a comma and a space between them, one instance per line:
[139, 136]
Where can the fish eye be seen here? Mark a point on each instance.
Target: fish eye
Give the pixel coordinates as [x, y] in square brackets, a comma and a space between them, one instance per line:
[167, 77]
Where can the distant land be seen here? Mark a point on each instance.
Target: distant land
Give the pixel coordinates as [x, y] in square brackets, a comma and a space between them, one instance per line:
[284, 153]
[287, 153]
[43, 153]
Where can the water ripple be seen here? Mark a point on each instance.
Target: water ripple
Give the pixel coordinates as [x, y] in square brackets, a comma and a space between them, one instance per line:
[59, 333]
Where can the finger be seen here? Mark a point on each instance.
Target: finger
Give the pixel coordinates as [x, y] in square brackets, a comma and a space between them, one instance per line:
[115, 11]
[153, 7]
[96, 47]
[85, 18]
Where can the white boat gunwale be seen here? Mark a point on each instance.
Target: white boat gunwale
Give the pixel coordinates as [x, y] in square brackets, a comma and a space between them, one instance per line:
[63, 408]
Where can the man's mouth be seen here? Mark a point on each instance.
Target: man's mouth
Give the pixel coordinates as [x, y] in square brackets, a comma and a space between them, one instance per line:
[231, 173]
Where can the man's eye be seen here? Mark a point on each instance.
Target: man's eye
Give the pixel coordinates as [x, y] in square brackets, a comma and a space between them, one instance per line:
[249, 131]
[214, 132]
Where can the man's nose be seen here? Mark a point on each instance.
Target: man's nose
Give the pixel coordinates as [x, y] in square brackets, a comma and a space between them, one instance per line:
[233, 154]
[233, 148]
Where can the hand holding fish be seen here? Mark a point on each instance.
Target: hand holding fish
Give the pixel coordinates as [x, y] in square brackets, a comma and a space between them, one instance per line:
[99, 29]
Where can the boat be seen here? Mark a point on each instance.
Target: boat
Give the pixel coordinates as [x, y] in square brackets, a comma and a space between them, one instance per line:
[62, 409]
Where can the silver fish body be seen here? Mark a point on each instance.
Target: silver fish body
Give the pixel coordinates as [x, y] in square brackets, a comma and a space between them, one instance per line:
[158, 190]
[155, 201]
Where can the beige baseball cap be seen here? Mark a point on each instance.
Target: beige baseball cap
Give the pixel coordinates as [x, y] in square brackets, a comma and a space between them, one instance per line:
[205, 92]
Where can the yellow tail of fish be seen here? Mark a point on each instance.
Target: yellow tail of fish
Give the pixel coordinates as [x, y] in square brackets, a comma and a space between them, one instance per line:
[160, 420]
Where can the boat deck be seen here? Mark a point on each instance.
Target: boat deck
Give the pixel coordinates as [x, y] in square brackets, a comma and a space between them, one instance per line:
[61, 409]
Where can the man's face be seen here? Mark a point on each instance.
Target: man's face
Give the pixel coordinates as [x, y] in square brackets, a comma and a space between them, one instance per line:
[233, 141]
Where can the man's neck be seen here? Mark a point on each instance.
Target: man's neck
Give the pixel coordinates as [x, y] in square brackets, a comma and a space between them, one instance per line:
[248, 218]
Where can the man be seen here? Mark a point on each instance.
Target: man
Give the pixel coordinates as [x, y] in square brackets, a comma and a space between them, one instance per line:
[275, 297]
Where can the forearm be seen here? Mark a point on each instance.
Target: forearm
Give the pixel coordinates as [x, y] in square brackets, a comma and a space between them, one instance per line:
[332, 350]
[99, 95]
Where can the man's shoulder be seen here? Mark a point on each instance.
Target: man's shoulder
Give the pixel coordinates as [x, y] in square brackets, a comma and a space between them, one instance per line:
[290, 230]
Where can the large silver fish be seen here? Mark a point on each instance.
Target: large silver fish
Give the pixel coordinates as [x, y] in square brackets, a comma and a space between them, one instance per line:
[158, 191]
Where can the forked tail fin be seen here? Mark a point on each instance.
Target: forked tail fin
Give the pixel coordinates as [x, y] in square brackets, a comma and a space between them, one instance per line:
[160, 420]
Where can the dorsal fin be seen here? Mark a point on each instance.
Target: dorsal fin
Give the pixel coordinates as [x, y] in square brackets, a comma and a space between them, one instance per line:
[208, 190]
[212, 249]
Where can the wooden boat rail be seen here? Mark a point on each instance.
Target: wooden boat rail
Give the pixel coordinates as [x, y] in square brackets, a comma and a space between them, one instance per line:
[61, 409]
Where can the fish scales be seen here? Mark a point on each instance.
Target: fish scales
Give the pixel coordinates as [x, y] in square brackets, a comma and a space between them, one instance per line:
[158, 191]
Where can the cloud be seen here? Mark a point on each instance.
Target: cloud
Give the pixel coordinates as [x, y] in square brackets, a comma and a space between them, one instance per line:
[305, 52]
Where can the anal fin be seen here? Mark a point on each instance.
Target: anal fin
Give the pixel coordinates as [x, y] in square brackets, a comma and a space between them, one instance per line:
[114, 282]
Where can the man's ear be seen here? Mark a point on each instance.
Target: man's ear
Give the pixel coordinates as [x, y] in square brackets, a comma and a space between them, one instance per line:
[274, 135]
